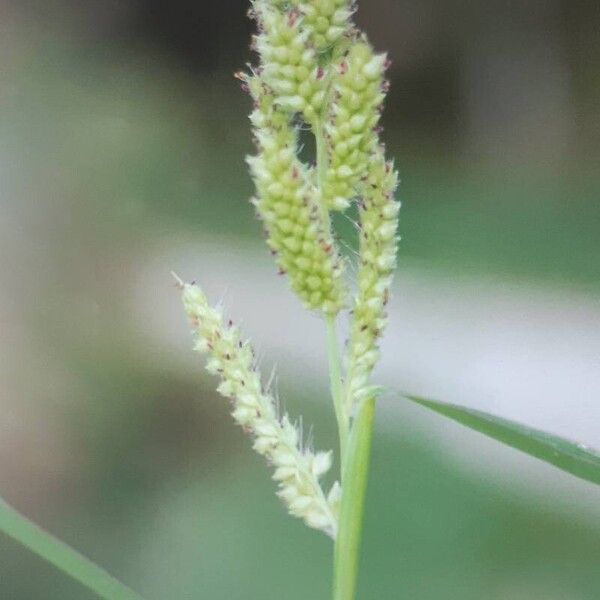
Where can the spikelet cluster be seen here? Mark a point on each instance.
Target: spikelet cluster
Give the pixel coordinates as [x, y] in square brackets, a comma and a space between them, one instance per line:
[297, 469]
[315, 71]
[287, 202]
[358, 93]
[327, 21]
[378, 213]
[289, 63]
[289, 83]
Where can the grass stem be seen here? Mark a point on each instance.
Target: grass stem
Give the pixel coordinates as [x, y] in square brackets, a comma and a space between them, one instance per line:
[333, 353]
[337, 391]
[356, 471]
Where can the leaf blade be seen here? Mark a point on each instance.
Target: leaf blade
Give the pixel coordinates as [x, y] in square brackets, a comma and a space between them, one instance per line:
[569, 456]
[62, 556]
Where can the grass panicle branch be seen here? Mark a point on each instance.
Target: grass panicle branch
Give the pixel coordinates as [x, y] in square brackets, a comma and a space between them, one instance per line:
[297, 469]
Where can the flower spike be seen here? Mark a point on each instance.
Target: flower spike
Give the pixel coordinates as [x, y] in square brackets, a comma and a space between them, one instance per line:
[297, 469]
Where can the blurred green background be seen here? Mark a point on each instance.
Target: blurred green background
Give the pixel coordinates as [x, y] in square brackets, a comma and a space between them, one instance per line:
[122, 139]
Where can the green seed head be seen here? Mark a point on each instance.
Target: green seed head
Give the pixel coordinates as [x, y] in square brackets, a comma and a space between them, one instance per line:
[297, 469]
[327, 21]
[289, 62]
[353, 116]
[378, 213]
[315, 71]
[287, 201]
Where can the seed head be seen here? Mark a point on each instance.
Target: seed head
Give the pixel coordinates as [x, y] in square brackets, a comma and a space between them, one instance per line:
[297, 469]
[326, 21]
[289, 63]
[315, 71]
[378, 215]
[353, 118]
[287, 203]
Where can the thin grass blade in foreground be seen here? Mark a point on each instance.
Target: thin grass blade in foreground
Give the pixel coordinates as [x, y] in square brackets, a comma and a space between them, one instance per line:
[569, 456]
[51, 549]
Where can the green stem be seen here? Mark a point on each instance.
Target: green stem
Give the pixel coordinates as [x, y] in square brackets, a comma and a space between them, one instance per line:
[337, 391]
[355, 443]
[45, 545]
[356, 471]
[333, 353]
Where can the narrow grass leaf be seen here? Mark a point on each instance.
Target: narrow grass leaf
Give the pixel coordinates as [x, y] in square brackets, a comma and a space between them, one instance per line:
[572, 457]
[62, 556]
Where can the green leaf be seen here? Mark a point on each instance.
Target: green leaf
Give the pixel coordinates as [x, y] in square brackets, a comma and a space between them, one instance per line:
[45, 545]
[572, 457]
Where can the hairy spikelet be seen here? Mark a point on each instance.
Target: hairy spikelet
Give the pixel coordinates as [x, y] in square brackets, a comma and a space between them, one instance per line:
[286, 200]
[378, 213]
[358, 94]
[326, 21]
[289, 63]
[297, 469]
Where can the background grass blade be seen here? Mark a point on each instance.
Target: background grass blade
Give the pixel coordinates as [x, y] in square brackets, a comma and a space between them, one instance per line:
[45, 545]
[572, 457]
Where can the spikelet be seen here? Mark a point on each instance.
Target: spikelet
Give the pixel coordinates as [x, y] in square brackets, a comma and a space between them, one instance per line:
[351, 130]
[378, 216]
[289, 64]
[327, 21]
[297, 469]
[287, 202]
